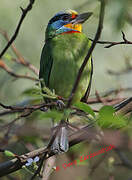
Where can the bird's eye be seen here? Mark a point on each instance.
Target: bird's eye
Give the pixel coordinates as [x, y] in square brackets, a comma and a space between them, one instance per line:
[66, 17]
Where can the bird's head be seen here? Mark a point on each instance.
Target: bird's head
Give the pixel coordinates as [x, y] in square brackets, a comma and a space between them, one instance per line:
[68, 21]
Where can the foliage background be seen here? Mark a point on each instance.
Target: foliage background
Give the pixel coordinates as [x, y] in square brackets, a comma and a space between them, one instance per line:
[31, 40]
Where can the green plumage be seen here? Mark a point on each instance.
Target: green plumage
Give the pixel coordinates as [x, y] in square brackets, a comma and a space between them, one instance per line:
[61, 59]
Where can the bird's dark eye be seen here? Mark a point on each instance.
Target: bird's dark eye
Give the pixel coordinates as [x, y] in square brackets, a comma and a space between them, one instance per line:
[66, 17]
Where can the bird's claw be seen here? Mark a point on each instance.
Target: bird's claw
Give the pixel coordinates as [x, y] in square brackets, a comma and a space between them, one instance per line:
[60, 104]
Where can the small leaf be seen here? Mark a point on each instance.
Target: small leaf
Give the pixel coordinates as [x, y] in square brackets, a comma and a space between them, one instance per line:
[106, 110]
[8, 56]
[54, 114]
[67, 113]
[108, 119]
[9, 153]
[84, 107]
[32, 92]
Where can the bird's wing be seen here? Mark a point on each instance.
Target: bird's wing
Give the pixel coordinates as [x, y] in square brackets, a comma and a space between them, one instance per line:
[86, 95]
[46, 62]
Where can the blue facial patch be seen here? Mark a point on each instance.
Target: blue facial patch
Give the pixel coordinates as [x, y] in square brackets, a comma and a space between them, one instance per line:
[64, 29]
[58, 24]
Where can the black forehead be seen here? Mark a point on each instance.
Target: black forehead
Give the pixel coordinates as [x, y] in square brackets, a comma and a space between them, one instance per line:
[58, 17]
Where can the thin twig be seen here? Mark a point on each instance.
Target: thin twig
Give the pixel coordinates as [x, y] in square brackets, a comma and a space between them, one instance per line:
[9, 71]
[39, 167]
[125, 161]
[97, 36]
[108, 100]
[19, 117]
[28, 107]
[20, 59]
[115, 91]
[24, 13]
[97, 163]
[113, 43]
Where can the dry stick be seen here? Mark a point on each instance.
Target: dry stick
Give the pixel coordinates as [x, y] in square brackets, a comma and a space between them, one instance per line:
[33, 107]
[27, 111]
[13, 121]
[115, 91]
[10, 72]
[20, 59]
[125, 41]
[125, 161]
[19, 109]
[24, 13]
[16, 109]
[109, 100]
[97, 36]
[97, 163]
[118, 73]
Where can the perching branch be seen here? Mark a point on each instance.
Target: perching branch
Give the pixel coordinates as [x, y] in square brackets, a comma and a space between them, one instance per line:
[28, 107]
[97, 36]
[86, 133]
[24, 13]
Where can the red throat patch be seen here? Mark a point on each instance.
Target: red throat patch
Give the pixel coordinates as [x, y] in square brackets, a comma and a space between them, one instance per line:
[70, 32]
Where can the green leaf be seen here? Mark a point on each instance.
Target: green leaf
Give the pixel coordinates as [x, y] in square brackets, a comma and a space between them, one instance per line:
[84, 107]
[108, 119]
[67, 113]
[106, 111]
[9, 153]
[32, 92]
[54, 114]
[8, 56]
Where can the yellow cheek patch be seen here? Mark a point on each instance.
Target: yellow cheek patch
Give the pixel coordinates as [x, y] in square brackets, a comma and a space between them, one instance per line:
[77, 27]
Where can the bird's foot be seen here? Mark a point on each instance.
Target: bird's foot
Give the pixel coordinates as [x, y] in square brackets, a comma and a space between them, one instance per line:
[60, 104]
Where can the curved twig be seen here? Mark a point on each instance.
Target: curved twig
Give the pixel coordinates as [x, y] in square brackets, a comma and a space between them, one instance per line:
[24, 13]
[125, 41]
[97, 36]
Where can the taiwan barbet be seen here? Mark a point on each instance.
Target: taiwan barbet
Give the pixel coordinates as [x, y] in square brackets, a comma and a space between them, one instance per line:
[63, 53]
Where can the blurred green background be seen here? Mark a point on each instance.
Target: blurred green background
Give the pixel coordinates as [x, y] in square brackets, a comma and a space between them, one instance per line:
[31, 40]
[118, 16]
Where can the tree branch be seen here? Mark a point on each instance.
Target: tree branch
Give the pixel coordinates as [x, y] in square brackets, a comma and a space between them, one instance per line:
[10, 72]
[125, 41]
[97, 36]
[24, 13]
[20, 59]
[85, 134]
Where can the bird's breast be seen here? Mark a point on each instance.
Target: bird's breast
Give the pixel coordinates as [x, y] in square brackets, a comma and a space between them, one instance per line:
[68, 52]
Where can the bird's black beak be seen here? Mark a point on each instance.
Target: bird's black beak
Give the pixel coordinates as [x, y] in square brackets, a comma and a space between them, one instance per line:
[81, 18]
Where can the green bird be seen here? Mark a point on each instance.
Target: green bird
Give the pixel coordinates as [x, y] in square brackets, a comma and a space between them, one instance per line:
[63, 53]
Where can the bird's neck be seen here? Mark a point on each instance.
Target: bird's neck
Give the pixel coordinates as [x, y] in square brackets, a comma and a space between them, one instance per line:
[74, 27]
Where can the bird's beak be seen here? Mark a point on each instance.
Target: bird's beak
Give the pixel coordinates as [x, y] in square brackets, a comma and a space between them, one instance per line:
[81, 18]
